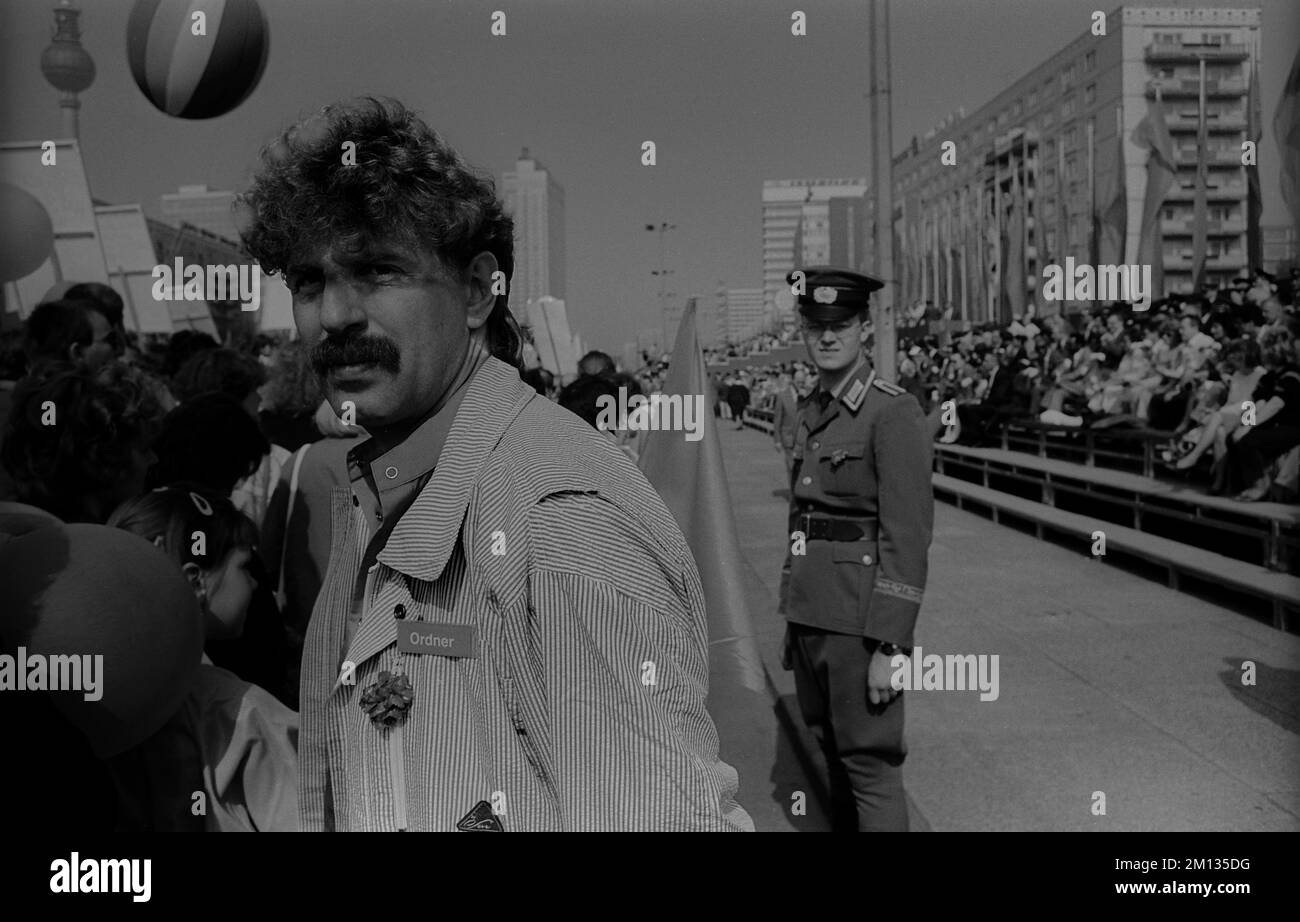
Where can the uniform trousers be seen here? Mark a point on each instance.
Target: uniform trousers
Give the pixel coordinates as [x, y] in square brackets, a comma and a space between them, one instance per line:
[864, 750]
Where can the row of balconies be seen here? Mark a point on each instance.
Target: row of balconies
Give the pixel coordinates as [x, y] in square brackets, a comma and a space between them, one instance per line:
[1158, 51]
[1181, 191]
[1224, 156]
[1184, 87]
[1182, 259]
[1232, 227]
[1214, 121]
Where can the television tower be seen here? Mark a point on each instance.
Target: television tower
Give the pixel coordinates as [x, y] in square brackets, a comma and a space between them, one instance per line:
[67, 66]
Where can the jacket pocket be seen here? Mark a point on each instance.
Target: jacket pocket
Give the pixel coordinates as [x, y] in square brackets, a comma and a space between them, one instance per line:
[855, 574]
[843, 470]
[527, 743]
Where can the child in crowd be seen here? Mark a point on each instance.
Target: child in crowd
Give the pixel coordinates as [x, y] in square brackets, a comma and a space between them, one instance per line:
[246, 739]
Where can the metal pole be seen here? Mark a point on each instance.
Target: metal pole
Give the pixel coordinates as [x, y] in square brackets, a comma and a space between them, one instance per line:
[965, 245]
[130, 300]
[882, 147]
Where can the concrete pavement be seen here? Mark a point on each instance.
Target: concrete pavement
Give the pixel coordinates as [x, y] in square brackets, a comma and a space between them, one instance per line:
[1114, 691]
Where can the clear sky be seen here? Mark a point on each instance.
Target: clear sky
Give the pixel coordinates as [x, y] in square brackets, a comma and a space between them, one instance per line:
[727, 93]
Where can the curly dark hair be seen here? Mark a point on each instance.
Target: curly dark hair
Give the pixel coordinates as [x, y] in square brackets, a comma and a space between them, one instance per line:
[218, 371]
[209, 440]
[408, 186]
[103, 419]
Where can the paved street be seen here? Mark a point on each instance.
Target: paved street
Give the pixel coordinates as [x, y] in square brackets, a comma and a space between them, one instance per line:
[1108, 683]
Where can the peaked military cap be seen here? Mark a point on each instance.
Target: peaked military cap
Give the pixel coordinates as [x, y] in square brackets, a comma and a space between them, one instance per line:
[831, 294]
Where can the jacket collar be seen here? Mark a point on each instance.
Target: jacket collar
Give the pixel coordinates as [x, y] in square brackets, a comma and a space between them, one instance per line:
[852, 393]
[423, 540]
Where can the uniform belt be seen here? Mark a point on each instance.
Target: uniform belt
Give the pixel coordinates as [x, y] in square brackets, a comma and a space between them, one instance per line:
[824, 528]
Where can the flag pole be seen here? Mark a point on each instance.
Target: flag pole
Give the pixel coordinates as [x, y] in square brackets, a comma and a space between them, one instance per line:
[965, 245]
[882, 150]
[1200, 241]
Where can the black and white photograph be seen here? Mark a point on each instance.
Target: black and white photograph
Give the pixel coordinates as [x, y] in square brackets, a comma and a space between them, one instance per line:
[651, 416]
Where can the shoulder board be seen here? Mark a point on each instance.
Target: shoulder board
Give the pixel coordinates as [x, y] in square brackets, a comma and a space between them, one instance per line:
[889, 387]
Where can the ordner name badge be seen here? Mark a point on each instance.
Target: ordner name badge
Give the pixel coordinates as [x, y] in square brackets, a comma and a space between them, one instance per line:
[437, 638]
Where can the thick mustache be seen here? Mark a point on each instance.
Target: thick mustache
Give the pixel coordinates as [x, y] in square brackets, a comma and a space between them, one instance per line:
[355, 350]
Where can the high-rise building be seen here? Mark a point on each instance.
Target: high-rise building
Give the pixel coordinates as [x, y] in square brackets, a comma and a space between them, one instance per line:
[553, 339]
[812, 222]
[536, 202]
[207, 209]
[1031, 178]
[742, 312]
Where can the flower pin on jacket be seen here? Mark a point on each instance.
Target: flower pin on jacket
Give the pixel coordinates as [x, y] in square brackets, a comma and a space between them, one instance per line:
[388, 701]
[838, 457]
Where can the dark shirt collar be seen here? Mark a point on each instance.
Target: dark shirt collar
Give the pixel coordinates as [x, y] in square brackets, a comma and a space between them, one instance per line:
[407, 465]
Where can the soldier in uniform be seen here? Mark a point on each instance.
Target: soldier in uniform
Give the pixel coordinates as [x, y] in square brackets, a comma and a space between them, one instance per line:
[861, 516]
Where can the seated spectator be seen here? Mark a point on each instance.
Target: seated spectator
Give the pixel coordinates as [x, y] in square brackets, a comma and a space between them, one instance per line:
[1168, 402]
[90, 448]
[1276, 426]
[1129, 389]
[1113, 343]
[1002, 401]
[1219, 411]
[1198, 348]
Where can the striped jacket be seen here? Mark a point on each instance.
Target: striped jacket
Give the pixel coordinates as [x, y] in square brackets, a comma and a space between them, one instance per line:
[584, 706]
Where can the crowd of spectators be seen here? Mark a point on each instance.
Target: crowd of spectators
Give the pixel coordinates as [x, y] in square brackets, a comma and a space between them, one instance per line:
[1214, 377]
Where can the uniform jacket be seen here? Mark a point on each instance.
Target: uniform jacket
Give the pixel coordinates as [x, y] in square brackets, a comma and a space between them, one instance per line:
[865, 458]
[584, 707]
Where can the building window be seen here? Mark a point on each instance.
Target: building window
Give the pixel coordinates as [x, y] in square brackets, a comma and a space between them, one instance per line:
[1090, 94]
[1090, 60]
[1048, 119]
[1033, 99]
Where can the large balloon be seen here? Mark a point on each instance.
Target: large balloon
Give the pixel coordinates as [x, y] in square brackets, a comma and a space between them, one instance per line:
[197, 76]
[26, 234]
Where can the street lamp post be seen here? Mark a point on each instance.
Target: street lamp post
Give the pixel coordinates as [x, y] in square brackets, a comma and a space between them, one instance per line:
[660, 229]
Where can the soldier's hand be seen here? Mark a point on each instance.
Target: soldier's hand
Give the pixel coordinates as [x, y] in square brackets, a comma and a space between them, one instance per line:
[880, 672]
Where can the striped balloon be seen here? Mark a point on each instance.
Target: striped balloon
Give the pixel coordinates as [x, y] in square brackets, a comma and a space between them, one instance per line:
[197, 76]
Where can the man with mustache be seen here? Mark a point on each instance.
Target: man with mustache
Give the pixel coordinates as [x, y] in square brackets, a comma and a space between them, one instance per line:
[511, 632]
[852, 587]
